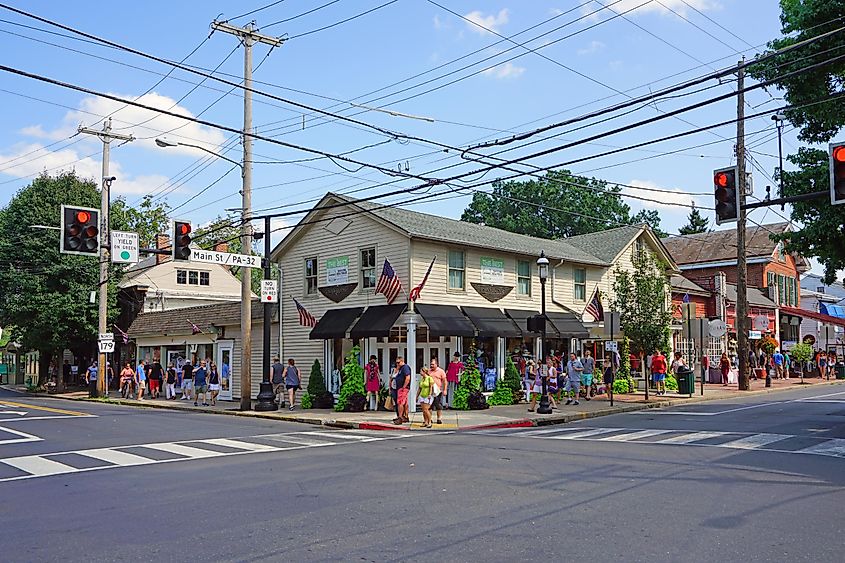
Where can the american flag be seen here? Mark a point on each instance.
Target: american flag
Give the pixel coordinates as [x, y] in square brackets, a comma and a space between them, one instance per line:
[594, 307]
[415, 293]
[122, 334]
[195, 329]
[388, 283]
[305, 318]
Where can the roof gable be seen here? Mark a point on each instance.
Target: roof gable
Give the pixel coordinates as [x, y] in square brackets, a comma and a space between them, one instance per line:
[716, 246]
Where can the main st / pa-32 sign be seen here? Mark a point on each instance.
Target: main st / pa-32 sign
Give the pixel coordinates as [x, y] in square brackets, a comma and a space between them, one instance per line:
[225, 258]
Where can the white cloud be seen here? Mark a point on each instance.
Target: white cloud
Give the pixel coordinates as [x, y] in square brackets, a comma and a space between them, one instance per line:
[438, 23]
[593, 47]
[664, 198]
[663, 7]
[507, 70]
[491, 22]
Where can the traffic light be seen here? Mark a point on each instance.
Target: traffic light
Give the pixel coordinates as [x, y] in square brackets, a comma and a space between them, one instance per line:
[181, 244]
[727, 195]
[536, 323]
[80, 231]
[837, 173]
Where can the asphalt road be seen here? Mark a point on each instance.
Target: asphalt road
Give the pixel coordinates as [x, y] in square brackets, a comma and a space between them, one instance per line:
[758, 479]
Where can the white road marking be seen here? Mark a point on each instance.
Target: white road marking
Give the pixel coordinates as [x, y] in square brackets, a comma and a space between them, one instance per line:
[832, 447]
[584, 434]
[754, 441]
[631, 436]
[240, 445]
[38, 466]
[24, 437]
[187, 451]
[336, 435]
[692, 437]
[116, 457]
[813, 399]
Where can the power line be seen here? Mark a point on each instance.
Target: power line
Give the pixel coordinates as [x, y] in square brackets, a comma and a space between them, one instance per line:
[297, 16]
[343, 21]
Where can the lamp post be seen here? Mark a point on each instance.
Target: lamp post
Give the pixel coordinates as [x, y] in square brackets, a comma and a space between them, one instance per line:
[779, 118]
[543, 272]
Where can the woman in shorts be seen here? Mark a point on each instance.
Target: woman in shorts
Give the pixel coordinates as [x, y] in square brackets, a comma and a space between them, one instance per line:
[214, 383]
[292, 382]
[425, 395]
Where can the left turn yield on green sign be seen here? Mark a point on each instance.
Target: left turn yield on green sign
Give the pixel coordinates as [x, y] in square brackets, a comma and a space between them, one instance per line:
[124, 247]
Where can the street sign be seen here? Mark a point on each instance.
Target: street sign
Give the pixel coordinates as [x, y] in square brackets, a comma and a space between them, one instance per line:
[688, 310]
[106, 346]
[124, 247]
[700, 328]
[105, 336]
[611, 324]
[754, 335]
[225, 258]
[269, 291]
[761, 323]
[611, 346]
[718, 328]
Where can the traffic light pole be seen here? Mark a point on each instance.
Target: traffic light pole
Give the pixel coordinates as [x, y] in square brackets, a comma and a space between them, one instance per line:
[266, 397]
[742, 266]
[106, 136]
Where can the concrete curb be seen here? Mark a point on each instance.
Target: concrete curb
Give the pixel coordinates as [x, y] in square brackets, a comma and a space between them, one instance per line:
[558, 418]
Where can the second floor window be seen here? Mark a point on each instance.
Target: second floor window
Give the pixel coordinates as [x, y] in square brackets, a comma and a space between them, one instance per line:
[579, 276]
[310, 276]
[523, 277]
[204, 278]
[181, 277]
[192, 277]
[368, 268]
[457, 269]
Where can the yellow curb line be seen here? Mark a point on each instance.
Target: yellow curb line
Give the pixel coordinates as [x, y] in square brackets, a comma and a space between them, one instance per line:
[40, 408]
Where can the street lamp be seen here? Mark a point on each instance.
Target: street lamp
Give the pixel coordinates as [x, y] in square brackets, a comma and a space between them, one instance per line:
[543, 272]
[779, 119]
[164, 144]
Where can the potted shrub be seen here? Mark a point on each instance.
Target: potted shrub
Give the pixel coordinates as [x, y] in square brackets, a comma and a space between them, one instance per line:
[352, 396]
[318, 396]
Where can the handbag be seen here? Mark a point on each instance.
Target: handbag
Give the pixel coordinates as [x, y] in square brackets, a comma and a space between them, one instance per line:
[436, 390]
[388, 403]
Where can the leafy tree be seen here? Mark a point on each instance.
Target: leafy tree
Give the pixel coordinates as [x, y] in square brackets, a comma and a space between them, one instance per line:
[696, 223]
[650, 217]
[559, 189]
[502, 395]
[470, 383]
[45, 293]
[352, 387]
[513, 380]
[801, 353]
[641, 299]
[318, 396]
[148, 219]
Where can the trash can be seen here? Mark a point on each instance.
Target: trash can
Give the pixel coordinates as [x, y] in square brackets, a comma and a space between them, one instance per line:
[686, 380]
[840, 371]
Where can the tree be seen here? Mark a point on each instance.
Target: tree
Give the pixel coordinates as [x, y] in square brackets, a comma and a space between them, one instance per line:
[513, 380]
[351, 396]
[559, 189]
[818, 115]
[696, 223]
[45, 293]
[641, 299]
[148, 220]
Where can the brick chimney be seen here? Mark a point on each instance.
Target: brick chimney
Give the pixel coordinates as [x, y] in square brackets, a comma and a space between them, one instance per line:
[221, 246]
[162, 242]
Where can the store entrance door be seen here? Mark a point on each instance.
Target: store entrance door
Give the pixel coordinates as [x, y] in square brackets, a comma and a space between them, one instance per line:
[224, 365]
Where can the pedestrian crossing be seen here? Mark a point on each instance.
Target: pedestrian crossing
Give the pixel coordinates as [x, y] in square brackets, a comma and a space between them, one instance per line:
[784, 443]
[77, 461]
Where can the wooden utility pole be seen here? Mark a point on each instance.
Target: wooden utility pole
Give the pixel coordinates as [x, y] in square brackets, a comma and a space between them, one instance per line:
[742, 267]
[248, 36]
[106, 136]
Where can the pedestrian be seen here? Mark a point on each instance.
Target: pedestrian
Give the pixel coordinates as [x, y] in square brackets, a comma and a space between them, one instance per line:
[587, 375]
[608, 377]
[552, 381]
[453, 378]
[126, 377]
[425, 394]
[725, 368]
[187, 380]
[574, 368]
[213, 382]
[787, 364]
[66, 373]
[678, 363]
[536, 383]
[156, 375]
[141, 379]
[372, 382]
[403, 384]
[109, 377]
[658, 371]
[292, 381]
[822, 361]
[91, 378]
[438, 396]
[200, 384]
[170, 392]
[277, 378]
[777, 360]
[528, 379]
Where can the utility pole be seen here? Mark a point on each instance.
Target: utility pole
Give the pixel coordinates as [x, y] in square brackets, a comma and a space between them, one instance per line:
[742, 266]
[248, 36]
[106, 136]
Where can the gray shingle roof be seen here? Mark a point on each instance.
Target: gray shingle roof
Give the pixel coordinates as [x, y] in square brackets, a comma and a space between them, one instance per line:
[717, 246]
[606, 245]
[755, 296]
[680, 283]
[175, 321]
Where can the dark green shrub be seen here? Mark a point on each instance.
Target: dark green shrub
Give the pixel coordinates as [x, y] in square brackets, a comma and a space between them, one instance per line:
[352, 384]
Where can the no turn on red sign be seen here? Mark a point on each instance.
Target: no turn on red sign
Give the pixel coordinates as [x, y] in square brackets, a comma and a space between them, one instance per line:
[269, 291]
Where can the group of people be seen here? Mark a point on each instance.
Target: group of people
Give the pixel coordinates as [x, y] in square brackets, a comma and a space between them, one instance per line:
[435, 392]
[563, 376]
[200, 381]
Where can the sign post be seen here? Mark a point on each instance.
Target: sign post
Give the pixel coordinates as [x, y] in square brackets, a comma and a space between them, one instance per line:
[611, 325]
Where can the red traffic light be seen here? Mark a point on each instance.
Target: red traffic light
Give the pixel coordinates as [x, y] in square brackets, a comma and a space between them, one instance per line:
[721, 179]
[82, 217]
[839, 153]
[184, 228]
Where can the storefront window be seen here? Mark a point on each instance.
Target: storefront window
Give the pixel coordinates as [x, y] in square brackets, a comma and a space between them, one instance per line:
[523, 277]
[457, 269]
[579, 275]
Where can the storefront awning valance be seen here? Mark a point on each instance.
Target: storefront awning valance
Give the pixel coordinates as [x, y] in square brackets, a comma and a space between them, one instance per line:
[802, 313]
[568, 325]
[334, 323]
[521, 316]
[491, 322]
[377, 320]
[445, 320]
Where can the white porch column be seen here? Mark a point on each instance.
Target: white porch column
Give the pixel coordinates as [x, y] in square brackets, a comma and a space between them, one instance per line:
[411, 356]
[538, 350]
[501, 354]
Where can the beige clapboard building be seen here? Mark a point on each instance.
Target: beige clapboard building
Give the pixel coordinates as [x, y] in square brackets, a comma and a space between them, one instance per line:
[482, 286]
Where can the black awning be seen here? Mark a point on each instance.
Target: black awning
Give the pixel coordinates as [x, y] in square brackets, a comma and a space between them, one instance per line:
[491, 322]
[520, 317]
[334, 323]
[445, 320]
[377, 320]
[568, 325]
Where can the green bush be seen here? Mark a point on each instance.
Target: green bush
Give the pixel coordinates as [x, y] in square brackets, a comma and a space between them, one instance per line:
[513, 382]
[624, 360]
[502, 395]
[620, 386]
[319, 397]
[353, 381]
[470, 382]
[671, 382]
[306, 402]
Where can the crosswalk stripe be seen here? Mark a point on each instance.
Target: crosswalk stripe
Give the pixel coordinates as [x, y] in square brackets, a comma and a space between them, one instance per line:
[754, 441]
[179, 449]
[116, 457]
[692, 437]
[583, 434]
[634, 435]
[240, 445]
[39, 466]
[336, 435]
[291, 439]
[832, 447]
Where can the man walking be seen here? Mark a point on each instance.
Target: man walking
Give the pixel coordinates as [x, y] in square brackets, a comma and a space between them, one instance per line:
[200, 386]
[574, 368]
[141, 379]
[587, 375]
[438, 395]
[187, 380]
[277, 377]
[403, 383]
[658, 371]
[156, 375]
[91, 379]
[778, 360]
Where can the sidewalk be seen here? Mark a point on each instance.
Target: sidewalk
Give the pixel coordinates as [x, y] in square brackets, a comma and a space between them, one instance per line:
[495, 417]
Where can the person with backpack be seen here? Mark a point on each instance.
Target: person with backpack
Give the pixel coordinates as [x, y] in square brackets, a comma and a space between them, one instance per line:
[277, 378]
[292, 382]
[425, 394]
[372, 382]
[155, 376]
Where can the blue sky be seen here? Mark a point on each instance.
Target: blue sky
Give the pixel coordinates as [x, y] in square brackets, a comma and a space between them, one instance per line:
[608, 57]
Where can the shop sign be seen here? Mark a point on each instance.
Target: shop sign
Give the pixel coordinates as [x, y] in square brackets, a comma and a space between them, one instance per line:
[787, 345]
[761, 323]
[492, 270]
[754, 335]
[810, 339]
[337, 270]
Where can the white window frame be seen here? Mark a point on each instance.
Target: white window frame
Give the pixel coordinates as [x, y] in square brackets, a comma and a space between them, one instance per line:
[576, 284]
[463, 270]
[315, 276]
[361, 268]
[184, 275]
[520, 278]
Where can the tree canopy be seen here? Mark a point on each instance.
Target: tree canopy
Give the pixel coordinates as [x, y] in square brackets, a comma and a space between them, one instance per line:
[559, 205]
[148, 219]
[696, 223]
